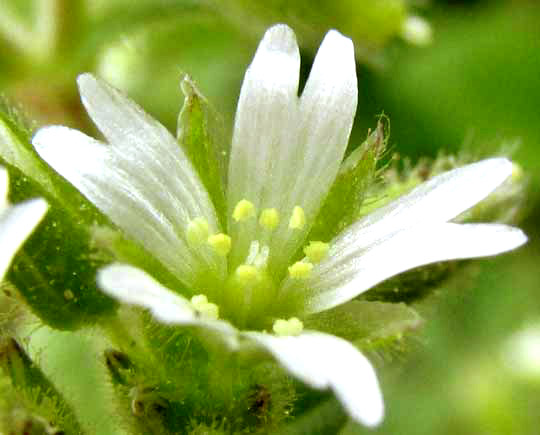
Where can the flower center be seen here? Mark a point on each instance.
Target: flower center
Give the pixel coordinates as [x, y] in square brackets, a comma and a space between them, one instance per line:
[248, 294]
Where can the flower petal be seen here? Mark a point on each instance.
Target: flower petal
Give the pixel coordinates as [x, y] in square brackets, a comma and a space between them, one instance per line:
[354, 266]
[16, 223]
[142, 181]
[146, 147]
[324, 361]
[128, 199]
[326, 114]
[264, 127]
[286, 151]
[134, 286]
[437, 200]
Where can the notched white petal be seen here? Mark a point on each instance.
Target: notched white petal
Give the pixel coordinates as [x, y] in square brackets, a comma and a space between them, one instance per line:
[325, 361]
[287, 150]
[144, 145]
[127, 198]
[134, 286]
[16, 223]
[141, 180]
[326, 114]
[264, 128]
[440, 199]
[347, 273]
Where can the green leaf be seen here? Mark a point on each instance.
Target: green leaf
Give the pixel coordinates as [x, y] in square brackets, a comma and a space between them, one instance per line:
[55, 269]
[367, 323]
[356, 175]
[198, 135]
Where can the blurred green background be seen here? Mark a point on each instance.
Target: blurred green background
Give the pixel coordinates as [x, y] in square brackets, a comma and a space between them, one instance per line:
[476, 86]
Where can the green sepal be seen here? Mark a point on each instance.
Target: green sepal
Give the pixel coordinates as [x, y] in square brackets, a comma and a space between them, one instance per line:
[206, 385]
[415, 284]
[356, 175]
[365, 323]
[139, 405]
[55, 269]
[39, 405]
[198, 133]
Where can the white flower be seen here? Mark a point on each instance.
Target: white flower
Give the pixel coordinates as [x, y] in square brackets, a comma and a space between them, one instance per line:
[286, 151]
[16, 223]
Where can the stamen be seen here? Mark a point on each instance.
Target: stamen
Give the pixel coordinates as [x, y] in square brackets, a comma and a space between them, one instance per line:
[220, 243]
[197, 231]
[204, 308]
[298, 218]
[253, 252]
[269, 218]
[316, 251]
[300, 270]
[243, 210]
[247, 274]
[262, 258]
[293, 326]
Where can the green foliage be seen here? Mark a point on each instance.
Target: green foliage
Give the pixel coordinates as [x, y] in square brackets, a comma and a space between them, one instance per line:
[62, 291]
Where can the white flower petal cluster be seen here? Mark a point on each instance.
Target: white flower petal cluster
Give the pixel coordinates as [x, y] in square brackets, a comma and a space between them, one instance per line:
[286, 152]
[16, 222]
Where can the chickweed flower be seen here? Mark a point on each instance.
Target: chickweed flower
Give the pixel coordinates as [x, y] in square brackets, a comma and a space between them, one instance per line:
[247, 280]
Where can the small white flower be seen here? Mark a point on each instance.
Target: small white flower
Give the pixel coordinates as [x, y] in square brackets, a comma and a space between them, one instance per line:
[286, 152]
[16, 223]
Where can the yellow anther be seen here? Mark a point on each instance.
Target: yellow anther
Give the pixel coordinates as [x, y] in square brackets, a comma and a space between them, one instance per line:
[247, 274]
[204, 308]
[243, 210]
[197, 231]
[300, 270]
[220, 243]
[269, 218]
[293, 326]
[316, 251]
[298, 218]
